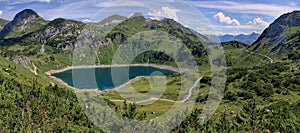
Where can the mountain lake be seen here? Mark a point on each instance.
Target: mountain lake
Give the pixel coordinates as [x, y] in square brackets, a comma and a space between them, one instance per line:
[107, 77]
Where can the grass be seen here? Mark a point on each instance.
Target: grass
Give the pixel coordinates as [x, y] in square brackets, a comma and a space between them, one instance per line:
[142, 86]
[164, 88]
[21, 74]
[159, 107]
[290, 31]
[239, 57]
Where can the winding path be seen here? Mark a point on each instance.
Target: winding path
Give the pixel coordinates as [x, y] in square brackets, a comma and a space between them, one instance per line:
[187, 97]
[190, 91]
[268, 57]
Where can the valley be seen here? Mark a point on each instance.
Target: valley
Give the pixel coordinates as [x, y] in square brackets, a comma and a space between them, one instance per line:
[262, 89]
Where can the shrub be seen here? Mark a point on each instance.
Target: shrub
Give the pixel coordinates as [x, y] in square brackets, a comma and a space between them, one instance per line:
[245, 95]
[232, 96]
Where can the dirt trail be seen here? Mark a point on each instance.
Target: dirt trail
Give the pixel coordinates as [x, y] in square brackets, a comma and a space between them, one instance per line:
[268, 57]
[187, 97]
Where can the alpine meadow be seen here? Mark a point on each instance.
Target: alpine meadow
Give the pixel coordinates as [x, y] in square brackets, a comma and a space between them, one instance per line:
[149, 71]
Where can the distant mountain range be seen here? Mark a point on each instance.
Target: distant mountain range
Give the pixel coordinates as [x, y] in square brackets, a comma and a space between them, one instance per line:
[246, 39]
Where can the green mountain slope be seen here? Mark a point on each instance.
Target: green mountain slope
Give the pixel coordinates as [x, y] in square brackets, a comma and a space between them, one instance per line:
[24, 22]
[281, 37]
[30, 103]
[61, 35]
[138, 24]
[238, 55]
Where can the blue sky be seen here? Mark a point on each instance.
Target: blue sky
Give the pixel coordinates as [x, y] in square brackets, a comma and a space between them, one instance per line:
[204, 16]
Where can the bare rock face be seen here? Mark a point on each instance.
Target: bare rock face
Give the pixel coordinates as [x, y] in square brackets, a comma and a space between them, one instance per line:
[60, 33]
[23, 60]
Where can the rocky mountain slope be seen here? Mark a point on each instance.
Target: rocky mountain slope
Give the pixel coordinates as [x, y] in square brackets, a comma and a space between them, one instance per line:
[27, 21]
[281, 37]
[27, 28]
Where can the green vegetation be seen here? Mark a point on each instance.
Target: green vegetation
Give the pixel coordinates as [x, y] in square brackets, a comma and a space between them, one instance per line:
[259, 95]
[281, 37]
[18, 27]
[30, 103]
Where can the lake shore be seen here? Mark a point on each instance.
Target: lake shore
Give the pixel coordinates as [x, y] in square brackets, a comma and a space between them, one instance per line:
[49, 73]
[118, 65]
[73, 88]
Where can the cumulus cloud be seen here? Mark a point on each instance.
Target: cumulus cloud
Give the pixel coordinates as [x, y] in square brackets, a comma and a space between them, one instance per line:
[220, 16]
[87, 20]
[1, 12]
[259, 22]
[165, 12]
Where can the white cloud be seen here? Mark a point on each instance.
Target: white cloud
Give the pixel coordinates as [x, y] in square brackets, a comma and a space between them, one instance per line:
[247, 8]
[87, 20]
[259, 22]
[256, 25]
[13, 2]
[165, 12]
[47, 1]
[105, 3]
[71, 10]
[131, 3]
[226, 19]
[1, 12]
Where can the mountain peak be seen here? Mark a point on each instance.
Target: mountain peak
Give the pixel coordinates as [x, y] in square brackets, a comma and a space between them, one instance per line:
[24, 15]
[24, 22]
[136, 14]
[27, 11]
[254, 33]
[113, 19]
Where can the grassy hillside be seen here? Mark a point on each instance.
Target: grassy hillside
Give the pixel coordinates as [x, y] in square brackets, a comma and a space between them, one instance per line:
[281, 37]
[32, 103]
[260, 94]
[238, 55]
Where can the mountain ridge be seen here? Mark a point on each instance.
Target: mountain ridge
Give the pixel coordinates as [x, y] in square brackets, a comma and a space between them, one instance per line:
[282, 36]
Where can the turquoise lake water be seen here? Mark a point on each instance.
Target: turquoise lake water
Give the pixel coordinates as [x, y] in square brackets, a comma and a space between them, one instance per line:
[107, 78]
